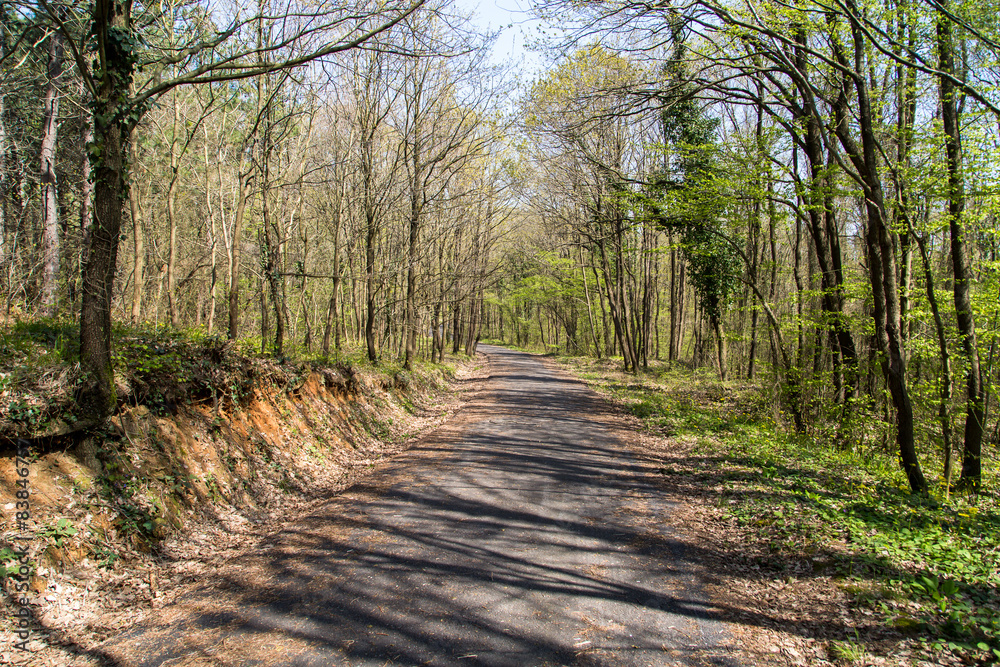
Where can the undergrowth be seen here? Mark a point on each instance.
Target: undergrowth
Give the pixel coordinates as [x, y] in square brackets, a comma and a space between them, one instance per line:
[928, 567]
[160, 368]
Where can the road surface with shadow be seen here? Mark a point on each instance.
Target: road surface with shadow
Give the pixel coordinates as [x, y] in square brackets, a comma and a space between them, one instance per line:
[524, 533]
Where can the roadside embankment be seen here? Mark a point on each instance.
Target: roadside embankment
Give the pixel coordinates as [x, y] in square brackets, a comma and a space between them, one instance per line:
[215, 452]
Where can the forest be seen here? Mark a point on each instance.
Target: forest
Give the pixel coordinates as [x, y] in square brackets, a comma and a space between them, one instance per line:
[801, 194]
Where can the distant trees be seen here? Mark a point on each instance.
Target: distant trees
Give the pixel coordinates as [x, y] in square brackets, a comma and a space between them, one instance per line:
[234, 165]
[811, 165]
[443, 129]
[590, 161]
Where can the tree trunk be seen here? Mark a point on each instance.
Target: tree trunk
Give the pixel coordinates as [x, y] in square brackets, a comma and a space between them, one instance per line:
[245, 188]
[370, 235]
[269, 248]
[86, 187]
[475, 317]
[944, 403]
[590, 307]
[881, 257]
[681, 295]
[3, 170]
[333, 316]
[410, 327]
[456, 329]
[265, 319]
[138, 247]
[98, 398]
[439, 307]
[172, 305]
[50, 203]
[212, 240]
[333, 323]
[971, 477]
[720, 342]
[611, 291]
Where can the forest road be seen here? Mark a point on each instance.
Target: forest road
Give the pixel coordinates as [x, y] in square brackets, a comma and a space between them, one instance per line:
[522, 533]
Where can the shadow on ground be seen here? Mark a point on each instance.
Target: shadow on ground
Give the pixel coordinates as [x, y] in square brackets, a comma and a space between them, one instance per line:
[524, 534]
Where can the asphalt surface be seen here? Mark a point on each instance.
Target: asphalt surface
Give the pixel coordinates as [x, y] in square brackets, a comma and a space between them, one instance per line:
[522, 534]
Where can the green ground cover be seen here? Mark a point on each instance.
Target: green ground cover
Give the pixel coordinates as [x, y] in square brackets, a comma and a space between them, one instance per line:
[929, 567]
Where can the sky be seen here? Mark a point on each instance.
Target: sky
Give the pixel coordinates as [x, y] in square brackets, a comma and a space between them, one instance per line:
[517, 27]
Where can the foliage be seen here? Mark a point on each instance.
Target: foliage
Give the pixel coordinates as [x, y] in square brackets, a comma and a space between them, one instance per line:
[10, 563]
[58, 531]
[38, 374]
[688, 197]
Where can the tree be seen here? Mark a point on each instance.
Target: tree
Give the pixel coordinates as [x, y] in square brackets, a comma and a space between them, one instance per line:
[692, 201]
[371, 81]
[442, 110]
[692, 207]
[47, 169]
[123, 77]
[964, 314]
[592, 162]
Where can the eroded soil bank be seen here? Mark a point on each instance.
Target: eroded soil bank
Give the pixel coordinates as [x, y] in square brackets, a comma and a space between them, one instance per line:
[122, 519]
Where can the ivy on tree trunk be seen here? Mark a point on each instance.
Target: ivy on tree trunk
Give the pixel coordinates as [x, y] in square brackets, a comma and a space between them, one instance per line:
[114, 120]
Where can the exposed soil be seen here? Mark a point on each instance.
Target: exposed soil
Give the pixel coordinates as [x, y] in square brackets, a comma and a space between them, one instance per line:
[214, 479]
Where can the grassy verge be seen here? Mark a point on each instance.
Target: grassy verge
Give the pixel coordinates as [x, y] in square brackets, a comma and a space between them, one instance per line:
[924, 571]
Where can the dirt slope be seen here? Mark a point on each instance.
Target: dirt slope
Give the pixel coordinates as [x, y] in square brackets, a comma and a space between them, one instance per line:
[120, 521]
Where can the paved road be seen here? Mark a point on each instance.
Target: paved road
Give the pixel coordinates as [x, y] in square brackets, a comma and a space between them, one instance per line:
[523, 534]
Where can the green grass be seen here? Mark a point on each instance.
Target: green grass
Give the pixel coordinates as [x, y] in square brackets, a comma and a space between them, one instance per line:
[930, 566]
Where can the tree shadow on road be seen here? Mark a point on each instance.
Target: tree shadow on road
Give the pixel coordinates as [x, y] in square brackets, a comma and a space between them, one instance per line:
[530, 537]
